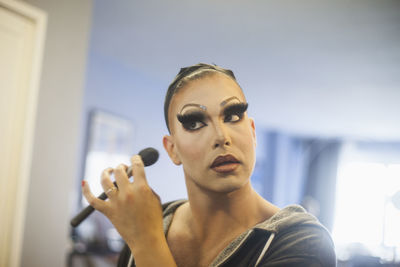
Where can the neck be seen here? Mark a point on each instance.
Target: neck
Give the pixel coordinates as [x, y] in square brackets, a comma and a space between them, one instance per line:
[215, 214]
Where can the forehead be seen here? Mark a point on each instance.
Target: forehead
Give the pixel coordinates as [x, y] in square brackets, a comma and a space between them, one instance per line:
[209, 91]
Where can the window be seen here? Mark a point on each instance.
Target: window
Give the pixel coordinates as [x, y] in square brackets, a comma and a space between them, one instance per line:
[365, 215]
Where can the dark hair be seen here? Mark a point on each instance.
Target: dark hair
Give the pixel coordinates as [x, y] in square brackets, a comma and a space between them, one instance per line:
[188, 74]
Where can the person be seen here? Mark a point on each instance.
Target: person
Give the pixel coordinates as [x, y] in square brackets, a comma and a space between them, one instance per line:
[224, 222]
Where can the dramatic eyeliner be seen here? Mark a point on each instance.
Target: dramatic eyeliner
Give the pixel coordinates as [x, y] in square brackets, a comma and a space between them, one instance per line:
[190, 119]
[236, 109]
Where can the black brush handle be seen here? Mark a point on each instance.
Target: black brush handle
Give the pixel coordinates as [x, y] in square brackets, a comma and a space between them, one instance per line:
[149, 156]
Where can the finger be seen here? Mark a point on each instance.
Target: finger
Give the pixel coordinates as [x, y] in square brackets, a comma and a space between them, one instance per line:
[96, 203]
[121, 177]
[138, 169]
[106, 182]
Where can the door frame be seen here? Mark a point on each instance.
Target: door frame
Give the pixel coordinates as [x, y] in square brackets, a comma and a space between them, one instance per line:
[39, 19]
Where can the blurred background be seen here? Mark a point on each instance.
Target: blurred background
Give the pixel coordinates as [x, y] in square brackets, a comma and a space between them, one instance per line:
[322, 79]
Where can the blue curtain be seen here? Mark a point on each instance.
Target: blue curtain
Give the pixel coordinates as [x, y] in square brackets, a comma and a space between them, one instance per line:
[298, 170]
[320, 184]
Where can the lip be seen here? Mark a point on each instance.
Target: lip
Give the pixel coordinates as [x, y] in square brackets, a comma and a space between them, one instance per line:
[225, 163]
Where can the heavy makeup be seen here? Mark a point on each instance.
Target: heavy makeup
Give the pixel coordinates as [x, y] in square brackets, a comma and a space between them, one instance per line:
[211, 134]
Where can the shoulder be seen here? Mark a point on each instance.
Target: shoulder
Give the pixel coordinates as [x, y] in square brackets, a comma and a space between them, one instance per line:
[299, 240]
[170, 207]
[169, 210]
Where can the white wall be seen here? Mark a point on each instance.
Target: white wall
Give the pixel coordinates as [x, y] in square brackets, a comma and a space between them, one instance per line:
[307, 66]
[57, 136]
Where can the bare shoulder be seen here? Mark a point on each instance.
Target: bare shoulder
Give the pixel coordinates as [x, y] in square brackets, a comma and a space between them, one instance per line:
[179, 239]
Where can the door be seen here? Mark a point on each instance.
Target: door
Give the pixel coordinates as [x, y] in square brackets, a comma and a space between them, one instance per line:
[22, 30]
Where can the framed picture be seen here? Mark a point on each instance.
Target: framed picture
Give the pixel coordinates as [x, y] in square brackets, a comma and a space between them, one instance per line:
[109, 143]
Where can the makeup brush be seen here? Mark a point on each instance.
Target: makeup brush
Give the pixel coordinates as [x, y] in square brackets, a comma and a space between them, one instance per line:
[149, 156]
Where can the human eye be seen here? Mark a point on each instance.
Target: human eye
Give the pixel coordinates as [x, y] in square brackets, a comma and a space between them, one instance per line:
[233, 117]
[194, 125]
[235, 112]
[192, 121]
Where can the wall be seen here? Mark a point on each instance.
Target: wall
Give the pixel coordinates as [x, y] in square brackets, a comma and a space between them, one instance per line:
[139, 97]
[57, 135]
[308, 66]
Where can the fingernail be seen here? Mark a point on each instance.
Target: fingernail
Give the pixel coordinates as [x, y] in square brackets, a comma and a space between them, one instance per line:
[83, 182]
[136, 159]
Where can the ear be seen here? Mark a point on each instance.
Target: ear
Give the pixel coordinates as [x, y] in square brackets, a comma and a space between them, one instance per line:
[253, 130]
[169, 145]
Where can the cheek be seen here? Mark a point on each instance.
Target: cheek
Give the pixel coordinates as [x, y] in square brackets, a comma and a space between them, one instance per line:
[245, 136]
[191, 148]
[245, 139]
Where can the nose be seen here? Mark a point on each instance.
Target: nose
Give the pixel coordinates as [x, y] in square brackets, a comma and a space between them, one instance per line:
[222, 137]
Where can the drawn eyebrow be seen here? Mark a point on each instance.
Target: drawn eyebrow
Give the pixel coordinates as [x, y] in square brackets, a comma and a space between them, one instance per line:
[193, 105]
[223, 103]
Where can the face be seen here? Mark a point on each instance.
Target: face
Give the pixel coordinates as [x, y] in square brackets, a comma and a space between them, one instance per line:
[211, 134]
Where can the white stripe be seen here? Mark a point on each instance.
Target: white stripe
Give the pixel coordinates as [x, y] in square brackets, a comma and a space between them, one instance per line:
[130, 261]
[269, 241]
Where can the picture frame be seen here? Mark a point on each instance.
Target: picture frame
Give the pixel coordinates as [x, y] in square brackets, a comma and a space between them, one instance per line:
[110, 141]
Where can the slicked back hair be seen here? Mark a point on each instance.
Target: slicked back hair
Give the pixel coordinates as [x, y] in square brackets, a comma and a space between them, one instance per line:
[188, 74]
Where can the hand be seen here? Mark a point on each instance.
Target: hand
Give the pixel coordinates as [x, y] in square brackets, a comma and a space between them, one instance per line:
[134, 209]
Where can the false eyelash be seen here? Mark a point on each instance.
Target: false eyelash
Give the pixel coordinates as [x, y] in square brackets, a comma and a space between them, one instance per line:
[191, 117]
[236, 109]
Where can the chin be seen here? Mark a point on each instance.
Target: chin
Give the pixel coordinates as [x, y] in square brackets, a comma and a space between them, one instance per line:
[228, 186]
[225, 183]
